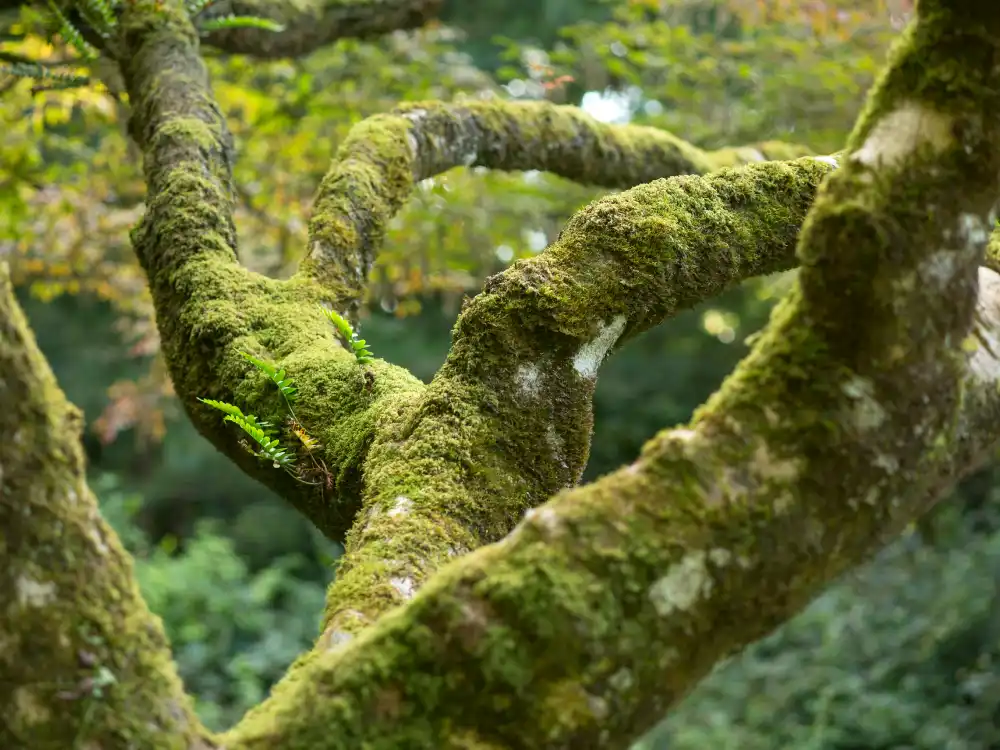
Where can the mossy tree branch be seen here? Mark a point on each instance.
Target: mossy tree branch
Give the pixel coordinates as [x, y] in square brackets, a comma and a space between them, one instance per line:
[507, 421]
[383, 157]
[210, 309]
[826, 441]
[301, 27]
[83, 660]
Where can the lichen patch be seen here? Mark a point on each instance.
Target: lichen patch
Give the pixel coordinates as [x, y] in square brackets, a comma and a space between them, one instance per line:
[686, 582]
[32, 593]
[588, 359]
[901, 132]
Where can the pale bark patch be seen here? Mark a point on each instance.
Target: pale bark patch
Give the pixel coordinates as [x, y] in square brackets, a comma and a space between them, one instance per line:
[984, 359]
[529, 379]
[405, 586]
[401, 506]
[32, 593]
[901, 132]
[591, 354]
[687, 581]
[867, 413]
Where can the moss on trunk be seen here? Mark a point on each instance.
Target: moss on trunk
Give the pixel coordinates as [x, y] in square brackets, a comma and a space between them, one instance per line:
[83, 662]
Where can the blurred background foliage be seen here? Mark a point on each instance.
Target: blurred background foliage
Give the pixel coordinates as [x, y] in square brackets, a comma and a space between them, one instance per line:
[902, 655]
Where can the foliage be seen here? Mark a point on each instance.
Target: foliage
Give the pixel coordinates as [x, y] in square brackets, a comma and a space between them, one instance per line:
[725, 72]
[358, 347]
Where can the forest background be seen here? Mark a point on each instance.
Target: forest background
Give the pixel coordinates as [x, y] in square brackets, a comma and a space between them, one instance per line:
[903, 654]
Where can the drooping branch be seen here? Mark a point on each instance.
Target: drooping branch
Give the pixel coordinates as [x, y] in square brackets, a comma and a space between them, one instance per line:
[311, 24]
[384, 156]
[83, 662]
[507, 421]
[209, 309]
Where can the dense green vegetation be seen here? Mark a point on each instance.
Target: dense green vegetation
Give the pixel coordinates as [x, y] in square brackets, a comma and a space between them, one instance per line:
[904, 654]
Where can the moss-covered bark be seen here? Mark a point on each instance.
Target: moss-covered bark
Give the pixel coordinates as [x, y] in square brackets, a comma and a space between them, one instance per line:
[384, 156]
[507, 421]
[83, 663]
[608, 603]
[209, 309]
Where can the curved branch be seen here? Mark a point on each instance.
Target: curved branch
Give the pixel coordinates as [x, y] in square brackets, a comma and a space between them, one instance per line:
[507, 421]
[209, 309]
[384, 156]
[311, 24]
[84, 662]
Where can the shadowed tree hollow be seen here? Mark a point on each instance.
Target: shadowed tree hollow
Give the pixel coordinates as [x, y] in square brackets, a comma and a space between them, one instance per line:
[487, 598]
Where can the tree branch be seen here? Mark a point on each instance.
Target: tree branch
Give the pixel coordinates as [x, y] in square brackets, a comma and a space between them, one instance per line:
[209, 309]
[311, 24]
[507, 421]
[83, 662]
[384, 156]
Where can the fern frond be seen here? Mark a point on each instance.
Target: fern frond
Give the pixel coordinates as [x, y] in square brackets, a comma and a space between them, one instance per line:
[359, 347]
[99, 15]
[270, 448]
[308, 441]
[277, 376]
[239, 22]
[49, 78]
[232, 410]
[222, 406]
[71, 34]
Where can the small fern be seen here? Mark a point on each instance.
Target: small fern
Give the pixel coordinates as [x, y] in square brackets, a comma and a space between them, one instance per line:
[270, 448]
[238, 22]
[265, 435]
[48, 79]
[71, 34]
[232, 410]
[100, 15]
[359, 347]
[309, 443]
[260, 431]
[277, 377]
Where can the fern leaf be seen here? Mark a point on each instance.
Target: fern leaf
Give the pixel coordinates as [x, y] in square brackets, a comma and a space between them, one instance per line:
[359, 347]
[48, 78]
[232, 410]
[99, 15]
[239, 22]
[71, 34]
[277, 376]
[270, 448]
